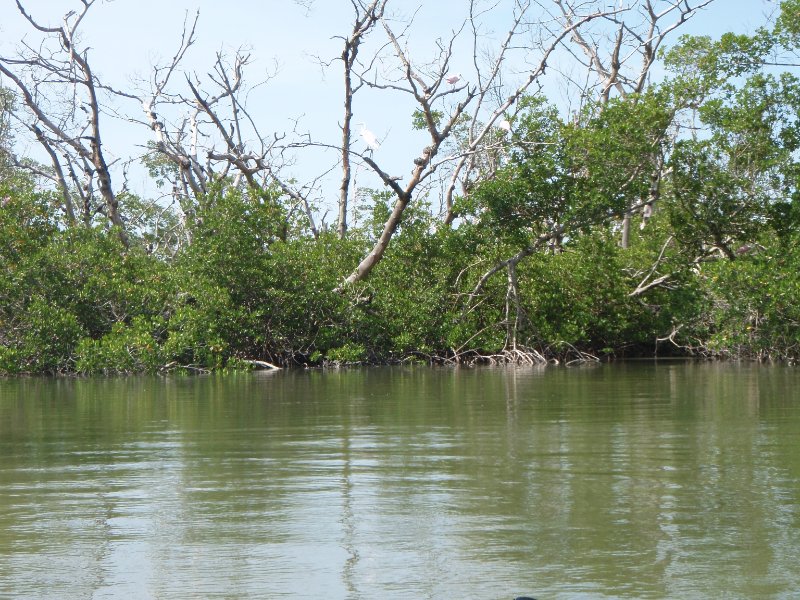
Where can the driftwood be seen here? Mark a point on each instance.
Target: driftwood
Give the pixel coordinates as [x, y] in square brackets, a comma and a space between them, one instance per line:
[261, 364]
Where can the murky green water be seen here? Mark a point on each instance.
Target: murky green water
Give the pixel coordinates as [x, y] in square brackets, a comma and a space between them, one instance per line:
[639, 480]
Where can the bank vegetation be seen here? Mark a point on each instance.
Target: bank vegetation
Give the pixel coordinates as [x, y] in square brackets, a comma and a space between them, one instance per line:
[654, 216]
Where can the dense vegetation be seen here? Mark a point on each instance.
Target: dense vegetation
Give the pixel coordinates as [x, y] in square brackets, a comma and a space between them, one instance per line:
[661, 222]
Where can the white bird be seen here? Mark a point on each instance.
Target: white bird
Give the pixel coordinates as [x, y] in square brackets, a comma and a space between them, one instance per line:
[453, 79]
[369, 138]
[504, 125]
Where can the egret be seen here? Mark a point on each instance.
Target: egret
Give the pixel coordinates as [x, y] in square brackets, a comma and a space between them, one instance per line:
[504, 125]
[453, 79]
[369, 138]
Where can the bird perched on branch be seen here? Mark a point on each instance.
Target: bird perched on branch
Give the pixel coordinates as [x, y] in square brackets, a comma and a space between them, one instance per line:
[369, 138]
[453, 79]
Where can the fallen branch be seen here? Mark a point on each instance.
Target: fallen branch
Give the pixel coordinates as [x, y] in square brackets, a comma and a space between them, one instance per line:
[260, 363]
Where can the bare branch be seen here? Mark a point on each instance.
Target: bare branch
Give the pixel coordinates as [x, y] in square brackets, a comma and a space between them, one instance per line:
[644, 284]
[73, 68]
[366, 16]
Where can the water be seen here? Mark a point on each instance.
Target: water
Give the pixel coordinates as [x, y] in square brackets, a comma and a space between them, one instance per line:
[638, 480]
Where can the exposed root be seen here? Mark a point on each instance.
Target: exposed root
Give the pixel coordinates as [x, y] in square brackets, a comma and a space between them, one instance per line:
[524, 356]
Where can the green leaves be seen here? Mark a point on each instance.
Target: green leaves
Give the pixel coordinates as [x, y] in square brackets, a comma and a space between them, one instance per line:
[580, 173]
[127, 348]
[742, 178]
[712, 206]
[420, 122]
[533, 259]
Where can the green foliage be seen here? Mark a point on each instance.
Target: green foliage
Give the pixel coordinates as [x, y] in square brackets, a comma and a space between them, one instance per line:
[412, 301]
[576, 174]
[614, 151]
[743, 177]
[787, 27]
[537, 186]
[372, 211]
[582, 297]
[532, 262]
[712, 206]
[89, 271]
[26, 221]
[576, 297]
[162, 170]
[304, 312]
[60, 286]
[753, 303]
[151, 226]
[48, 336]
[36, 333]
[420, 122]
[350, 353]
[127, 348]
[249, 291]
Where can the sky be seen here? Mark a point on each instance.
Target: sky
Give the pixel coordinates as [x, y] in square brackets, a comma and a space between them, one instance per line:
[286, 41]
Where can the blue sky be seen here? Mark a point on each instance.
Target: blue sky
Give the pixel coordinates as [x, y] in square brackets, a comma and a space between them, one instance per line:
[126, 37]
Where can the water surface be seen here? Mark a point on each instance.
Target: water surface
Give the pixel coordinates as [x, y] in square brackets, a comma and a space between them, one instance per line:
[636, 480]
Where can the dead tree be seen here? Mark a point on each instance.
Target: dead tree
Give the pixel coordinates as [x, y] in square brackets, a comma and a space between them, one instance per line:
[621, 51]
[615, 49]
[425, 93]
[367, 15]
[442, 103]
[71, 136]
[212, 137]
[618, 56]
[466, 169]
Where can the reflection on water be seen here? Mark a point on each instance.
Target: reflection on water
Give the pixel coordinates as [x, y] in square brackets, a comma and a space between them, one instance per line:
[637, 480]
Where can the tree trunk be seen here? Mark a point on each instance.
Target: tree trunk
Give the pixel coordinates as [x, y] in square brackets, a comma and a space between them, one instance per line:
[375, 255]
[626, 230]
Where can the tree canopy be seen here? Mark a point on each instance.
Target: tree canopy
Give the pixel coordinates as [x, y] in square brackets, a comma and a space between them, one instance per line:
[650, 216]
